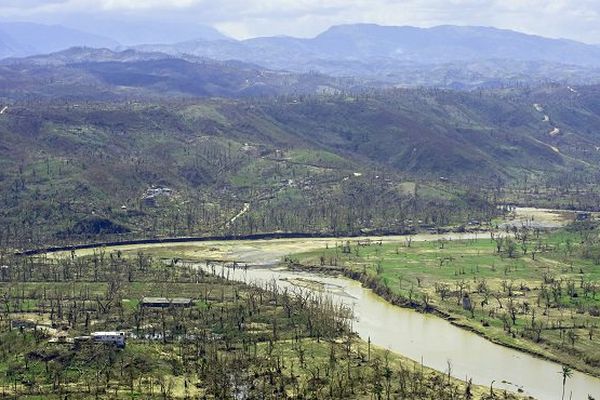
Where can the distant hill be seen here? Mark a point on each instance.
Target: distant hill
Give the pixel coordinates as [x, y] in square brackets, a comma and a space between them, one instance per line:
[25, 38]
[413, 56]
[447, 43]
[86, 73]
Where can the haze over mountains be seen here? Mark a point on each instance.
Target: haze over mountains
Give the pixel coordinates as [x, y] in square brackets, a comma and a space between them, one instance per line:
[449, 56]
[286, 124]
[361, 42]
[443, 56]
[19, 39]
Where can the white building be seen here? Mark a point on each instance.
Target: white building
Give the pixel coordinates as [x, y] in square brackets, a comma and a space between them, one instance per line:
[114, 338]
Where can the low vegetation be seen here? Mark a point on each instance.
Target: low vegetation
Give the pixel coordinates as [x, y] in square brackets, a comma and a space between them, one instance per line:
[88, 172]
[534, 291]
[233, 342]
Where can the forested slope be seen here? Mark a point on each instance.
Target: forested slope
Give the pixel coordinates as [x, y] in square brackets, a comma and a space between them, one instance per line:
[338, 164]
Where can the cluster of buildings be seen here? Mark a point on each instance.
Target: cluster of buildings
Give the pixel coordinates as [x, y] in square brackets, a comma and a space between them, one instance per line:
[113, 338]
[150, 197]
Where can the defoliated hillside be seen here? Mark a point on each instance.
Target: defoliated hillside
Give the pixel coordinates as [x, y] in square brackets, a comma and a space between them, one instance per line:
[92, 170]
[337, 164]
[487, 136]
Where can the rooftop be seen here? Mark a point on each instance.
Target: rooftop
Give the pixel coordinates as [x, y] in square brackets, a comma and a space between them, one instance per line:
[175, 300]
[108, 333]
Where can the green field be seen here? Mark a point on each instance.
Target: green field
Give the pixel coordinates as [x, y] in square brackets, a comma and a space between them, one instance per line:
[259, 341]
[538, 292]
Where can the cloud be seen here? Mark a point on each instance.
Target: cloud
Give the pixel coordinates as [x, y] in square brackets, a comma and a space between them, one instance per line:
[575, 19]
[29, 3]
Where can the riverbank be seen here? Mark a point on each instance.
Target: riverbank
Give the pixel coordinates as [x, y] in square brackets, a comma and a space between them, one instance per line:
[458, 320]
[423, 337]
[232, 338]
[538, 304]
[271, 252]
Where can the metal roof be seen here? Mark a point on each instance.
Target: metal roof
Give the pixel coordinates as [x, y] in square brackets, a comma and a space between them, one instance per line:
[164, 300]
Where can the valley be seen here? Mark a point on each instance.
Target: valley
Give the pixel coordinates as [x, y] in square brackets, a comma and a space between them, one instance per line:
[194, 207]
[269, 337]
[410, 259]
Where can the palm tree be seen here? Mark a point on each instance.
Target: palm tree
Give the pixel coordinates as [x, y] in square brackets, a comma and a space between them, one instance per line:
[566, 373]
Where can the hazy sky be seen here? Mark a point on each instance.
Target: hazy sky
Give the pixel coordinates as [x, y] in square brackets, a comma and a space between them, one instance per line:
[575, 19]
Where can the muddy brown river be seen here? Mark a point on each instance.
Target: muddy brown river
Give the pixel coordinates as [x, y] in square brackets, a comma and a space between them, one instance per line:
[429, 339]
[422, 337]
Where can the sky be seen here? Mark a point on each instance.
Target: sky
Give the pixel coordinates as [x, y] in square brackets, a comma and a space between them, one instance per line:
[573, 19]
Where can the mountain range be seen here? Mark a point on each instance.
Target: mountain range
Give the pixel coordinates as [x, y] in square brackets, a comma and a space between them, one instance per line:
[459, 57]
[364, 42]
[95, 74]
[449, 56]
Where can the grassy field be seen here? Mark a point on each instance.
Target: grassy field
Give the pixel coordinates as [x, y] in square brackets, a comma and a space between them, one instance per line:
[235, 340]
[532, 291]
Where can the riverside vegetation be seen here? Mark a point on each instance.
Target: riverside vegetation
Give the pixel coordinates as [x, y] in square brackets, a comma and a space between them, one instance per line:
[235, 342]
[535, 291]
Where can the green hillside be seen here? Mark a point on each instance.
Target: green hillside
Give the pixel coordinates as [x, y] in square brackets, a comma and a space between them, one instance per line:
[91, 170]
[330, 164]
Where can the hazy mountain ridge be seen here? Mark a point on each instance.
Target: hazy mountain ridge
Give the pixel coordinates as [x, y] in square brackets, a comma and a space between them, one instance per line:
[412, 56]
[95, 74]
[450, 43]
[29, 39]
[444, 56]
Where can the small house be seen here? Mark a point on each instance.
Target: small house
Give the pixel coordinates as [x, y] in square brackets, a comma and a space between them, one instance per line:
[163, 302]
[114, 338]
